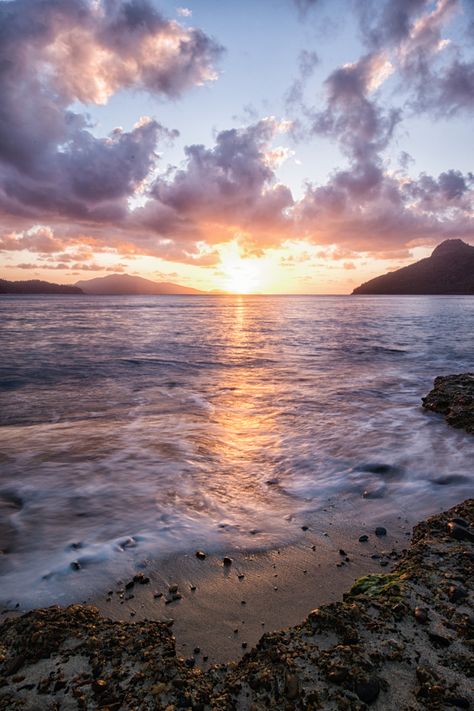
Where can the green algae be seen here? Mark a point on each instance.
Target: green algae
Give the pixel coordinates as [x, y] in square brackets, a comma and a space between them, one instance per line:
[378, 584]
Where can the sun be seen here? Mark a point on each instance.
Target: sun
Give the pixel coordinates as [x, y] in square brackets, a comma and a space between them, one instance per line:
[240, 276]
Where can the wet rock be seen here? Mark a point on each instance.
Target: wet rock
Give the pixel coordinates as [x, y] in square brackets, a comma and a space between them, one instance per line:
[75, 565]
[368, 689]
[141, 579]
[453, 397]
[380, 531]
[200, 555]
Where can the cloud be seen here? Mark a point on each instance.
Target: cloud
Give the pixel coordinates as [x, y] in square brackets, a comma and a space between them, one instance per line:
[53, 54]
[184, 11]
[222, 190]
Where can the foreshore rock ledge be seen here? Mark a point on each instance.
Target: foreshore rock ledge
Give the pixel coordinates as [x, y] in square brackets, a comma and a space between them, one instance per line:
[399, 641]
[453, 396]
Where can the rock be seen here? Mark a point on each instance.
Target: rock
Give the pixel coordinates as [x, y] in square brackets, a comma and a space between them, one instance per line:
[141, 579]
[380, 531]
[304, 528]
[364, 538]
[438, 640]
[421, 615]
[227, 561]
[456, 593]
[459, 702]
[460, 521]
[173, 589]
[460, 533]
[292, 687]
[367, 689]
[453, 397]
[75, 565]
[342, 552]
[200, 555]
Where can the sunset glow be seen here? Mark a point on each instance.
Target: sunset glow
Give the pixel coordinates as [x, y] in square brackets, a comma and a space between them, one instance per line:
[154, 152]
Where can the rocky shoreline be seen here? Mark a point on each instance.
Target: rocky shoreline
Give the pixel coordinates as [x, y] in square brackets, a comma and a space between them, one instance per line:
[453, 397]
[401, 640]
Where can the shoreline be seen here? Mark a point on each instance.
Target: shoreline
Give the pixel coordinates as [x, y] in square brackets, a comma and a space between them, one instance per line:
[399, 639]
[262, 590]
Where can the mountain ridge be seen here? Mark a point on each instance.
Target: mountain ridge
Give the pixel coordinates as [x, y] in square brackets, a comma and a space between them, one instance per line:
[36, 286]
[126, 284]
[449, 270]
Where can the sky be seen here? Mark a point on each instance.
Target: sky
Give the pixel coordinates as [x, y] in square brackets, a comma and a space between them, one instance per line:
[278, 146]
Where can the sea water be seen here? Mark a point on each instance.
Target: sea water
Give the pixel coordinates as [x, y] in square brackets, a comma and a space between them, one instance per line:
[135, 428]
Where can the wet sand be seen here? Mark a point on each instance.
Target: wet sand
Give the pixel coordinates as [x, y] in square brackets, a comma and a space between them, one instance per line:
[222, 610]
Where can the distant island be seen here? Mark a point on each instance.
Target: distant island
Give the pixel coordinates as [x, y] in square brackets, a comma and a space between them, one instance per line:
[112, 285]
[449, 270]
[124, 284]
[35, 286]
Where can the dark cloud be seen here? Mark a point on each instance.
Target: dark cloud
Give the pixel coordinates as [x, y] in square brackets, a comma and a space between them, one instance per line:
[387, 22]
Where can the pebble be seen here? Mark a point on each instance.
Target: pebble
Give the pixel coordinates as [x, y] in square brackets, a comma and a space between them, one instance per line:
[197, 650]
[241, 576]
[201, 555]
[342, 551]
[364, 538]
[421, 615]
[304, 528]
[244, 645]
[380, 531]
[141, 579]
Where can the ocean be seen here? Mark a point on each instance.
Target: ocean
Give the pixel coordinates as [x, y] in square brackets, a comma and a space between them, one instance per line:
[135, 428]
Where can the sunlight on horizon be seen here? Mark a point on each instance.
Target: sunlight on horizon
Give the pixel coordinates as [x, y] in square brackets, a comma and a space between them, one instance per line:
[240, 275]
